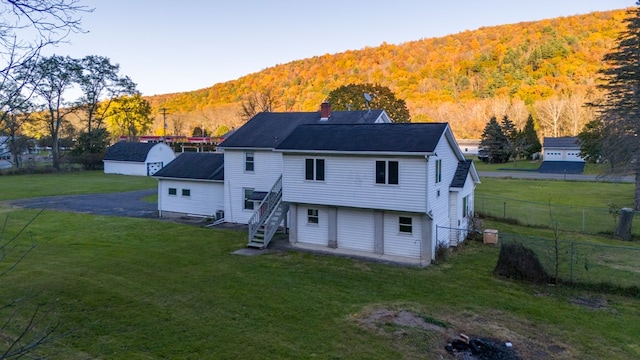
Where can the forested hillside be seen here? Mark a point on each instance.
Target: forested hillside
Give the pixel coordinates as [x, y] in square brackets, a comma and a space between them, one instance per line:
[548, 68]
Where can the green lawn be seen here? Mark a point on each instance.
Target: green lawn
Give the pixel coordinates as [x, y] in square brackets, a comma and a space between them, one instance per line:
[527, 165]
[85, 182]
[145, 289]
[574, 205]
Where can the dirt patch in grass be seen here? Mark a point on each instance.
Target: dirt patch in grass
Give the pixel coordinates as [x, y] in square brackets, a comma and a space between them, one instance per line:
[418, 336]
[591, 303]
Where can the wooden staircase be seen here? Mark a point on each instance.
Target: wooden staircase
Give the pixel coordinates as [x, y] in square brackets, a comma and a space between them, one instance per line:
[267, 218]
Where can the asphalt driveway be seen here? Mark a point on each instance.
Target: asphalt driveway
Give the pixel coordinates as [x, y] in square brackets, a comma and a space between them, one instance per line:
[128, 204]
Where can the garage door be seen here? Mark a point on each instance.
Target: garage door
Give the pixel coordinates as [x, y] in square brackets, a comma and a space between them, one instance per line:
[355, 230]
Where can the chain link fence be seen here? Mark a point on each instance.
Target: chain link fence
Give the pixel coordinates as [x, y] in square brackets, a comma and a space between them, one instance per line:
[589, 220]
[586, 263]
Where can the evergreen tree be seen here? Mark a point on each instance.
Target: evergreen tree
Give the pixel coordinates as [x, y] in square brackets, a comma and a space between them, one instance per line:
[591, 141]
[495, 142]
[620, 110]
[531, 142]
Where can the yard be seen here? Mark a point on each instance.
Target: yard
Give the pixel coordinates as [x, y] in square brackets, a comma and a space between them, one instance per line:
[141, 289]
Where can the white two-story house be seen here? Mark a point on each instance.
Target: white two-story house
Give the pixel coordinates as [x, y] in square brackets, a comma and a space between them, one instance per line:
[251, 166]
[388, 190]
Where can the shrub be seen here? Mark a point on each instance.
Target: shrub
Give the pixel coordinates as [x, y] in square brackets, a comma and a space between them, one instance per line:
[518, 262]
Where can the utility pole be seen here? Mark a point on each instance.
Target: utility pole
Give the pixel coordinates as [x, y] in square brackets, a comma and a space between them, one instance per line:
[164, 124]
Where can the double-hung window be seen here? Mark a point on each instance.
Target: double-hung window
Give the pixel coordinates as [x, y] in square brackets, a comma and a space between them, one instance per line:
[314, 169]
[312, 216]
[438, 171]
[248, 203]
[465, 206]
[248, 161]
[387, 172]
[405, 224]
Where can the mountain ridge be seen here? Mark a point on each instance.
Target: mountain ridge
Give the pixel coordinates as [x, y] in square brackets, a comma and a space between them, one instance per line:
[462, 78]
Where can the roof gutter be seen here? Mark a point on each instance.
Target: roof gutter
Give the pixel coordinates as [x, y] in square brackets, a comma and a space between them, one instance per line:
[353, 152]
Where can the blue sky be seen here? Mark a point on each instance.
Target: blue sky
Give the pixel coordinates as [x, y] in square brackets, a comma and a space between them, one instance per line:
[173, 46]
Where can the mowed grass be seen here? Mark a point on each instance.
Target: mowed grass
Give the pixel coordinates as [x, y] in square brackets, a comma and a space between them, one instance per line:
[149, 289]
[85, 182]
[567, 193]
[528, 165]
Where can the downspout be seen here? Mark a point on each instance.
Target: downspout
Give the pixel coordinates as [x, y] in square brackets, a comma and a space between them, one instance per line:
[160, 192]
[427, 188]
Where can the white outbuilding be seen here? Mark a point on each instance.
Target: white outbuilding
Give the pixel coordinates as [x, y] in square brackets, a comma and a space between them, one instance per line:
[133, 158]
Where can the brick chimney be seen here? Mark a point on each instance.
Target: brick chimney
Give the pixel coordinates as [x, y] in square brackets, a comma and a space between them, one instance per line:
[325, 111]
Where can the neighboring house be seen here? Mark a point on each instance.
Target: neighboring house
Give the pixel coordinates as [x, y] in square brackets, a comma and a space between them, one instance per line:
[395, 190]
[561, 155]
[133, 158]
[469, 146]
[252, 168]
[5, 153]
[192, 185]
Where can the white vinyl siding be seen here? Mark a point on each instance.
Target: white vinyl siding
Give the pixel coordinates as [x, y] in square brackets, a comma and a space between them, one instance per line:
[398, 243]
[350, 182]
[205, 198]
[440, 205]
[355, 230]
[317, 234]
[267, 169]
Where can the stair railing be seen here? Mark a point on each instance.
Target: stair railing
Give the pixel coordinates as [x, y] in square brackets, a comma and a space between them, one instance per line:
[265, 208]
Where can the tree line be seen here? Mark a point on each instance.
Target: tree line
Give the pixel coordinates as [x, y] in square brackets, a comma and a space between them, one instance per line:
[45, 96]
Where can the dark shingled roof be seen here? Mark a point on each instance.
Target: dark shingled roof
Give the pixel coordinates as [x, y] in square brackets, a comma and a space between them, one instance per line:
[562, 167]
[417, 137]
[460, 177]
[191, 165]
[128, 151]
[561, 142]
[267, 129]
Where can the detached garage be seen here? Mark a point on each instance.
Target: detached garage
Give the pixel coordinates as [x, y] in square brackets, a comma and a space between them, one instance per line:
[133, 158]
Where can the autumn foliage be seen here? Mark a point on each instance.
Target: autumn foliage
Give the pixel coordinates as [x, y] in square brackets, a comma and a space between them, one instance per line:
[547, 68]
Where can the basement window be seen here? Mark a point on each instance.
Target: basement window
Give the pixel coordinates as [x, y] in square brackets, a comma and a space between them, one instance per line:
[406, 225]
[312, 216]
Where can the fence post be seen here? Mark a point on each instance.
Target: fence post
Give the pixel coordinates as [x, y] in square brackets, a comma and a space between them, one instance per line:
[532, 212]
[571, 264]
